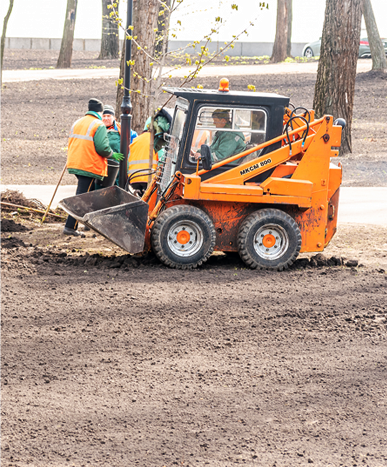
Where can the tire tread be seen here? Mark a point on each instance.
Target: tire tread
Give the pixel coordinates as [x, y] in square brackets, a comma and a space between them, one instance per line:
[157, 229]
[248, 223]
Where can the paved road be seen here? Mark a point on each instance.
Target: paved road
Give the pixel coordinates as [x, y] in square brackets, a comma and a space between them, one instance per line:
[363, 205]
[357, 205]
[10, 76]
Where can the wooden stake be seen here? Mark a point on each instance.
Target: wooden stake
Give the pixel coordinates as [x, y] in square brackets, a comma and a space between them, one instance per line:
[18, 206]
[53, 196]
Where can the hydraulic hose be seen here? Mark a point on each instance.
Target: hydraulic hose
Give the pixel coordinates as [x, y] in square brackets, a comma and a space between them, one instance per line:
[305, 134]
[306, 112]
[142, 174]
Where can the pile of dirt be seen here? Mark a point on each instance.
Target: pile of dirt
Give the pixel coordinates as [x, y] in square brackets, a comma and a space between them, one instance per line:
[40, 256]
[13, 200]
[12, 242]
[17, 198]
[9, 225]
[371, 76]
[49, 257]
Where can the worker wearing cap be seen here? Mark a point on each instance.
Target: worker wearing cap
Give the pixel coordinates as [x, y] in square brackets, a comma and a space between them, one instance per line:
[114, 128]
[88, 150]
[225, 143]
[114, 134]
[140, 148]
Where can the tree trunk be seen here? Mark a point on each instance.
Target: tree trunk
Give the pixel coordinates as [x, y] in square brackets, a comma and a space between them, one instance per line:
[335, 85]
[376, 45]
[110, 40]
[281, 35]
[145, 16]
[290, 20]
[162, 29]
[5, 24]
[66, 48]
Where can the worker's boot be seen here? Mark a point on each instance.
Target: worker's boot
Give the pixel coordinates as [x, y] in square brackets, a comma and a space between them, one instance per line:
[68, 231]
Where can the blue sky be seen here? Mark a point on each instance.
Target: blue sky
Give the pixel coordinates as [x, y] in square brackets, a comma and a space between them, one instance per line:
[45, 18]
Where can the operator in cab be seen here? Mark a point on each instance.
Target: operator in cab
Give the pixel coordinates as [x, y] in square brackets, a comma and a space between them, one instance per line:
[88, 151]
[225, 143]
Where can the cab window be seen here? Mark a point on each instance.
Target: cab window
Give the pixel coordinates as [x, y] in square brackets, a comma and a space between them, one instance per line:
[228, 131]
[172, 147]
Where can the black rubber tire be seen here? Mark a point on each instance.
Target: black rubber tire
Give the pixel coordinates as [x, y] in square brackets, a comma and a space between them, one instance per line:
[289, 233]
[306, 54]
[162, 228]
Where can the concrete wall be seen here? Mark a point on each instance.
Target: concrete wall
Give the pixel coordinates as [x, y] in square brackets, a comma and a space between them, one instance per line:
[24, 43]
[244, 49]
[241, 49]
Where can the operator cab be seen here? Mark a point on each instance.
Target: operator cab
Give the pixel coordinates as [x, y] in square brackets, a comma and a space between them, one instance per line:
[229, 122]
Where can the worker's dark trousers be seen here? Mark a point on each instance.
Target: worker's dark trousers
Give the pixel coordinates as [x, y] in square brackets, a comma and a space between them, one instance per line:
[85, 184]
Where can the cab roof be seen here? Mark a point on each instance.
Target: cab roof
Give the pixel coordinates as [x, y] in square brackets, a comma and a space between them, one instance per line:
[231, 97]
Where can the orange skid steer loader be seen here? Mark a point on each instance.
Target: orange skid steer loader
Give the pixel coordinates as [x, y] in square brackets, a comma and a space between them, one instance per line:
[262, 185]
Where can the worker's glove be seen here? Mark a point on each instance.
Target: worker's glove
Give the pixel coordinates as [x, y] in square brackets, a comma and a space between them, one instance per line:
[117, 156]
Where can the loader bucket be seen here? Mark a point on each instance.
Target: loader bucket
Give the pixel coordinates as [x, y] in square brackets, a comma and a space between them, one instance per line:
[113, 213]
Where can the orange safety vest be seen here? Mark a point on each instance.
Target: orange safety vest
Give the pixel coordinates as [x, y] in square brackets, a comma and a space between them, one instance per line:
[139, 157]
[81, 150]
[200, 137]
[118, 128]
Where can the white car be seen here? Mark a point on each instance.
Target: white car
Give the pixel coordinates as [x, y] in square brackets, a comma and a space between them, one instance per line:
[313, 48]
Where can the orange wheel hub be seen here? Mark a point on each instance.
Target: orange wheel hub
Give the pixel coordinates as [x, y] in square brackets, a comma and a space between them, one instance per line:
[183, 237]
[268, 241]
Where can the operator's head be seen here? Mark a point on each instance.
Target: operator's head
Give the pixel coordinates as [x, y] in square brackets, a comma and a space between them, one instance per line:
[95, 105]
[221, 117]
[108, 115]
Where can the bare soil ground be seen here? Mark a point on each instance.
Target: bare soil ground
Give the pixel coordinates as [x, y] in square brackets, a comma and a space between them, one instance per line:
[115, 360]
[37, 116]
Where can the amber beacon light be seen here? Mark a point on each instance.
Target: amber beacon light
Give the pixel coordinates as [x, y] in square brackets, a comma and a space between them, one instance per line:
[223, 85]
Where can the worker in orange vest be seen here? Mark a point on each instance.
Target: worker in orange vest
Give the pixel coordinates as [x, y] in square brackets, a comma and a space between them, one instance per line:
[88, 150]
[138, 167]
[114, 128]
[114, 136]
[200, 137]
[138, 162]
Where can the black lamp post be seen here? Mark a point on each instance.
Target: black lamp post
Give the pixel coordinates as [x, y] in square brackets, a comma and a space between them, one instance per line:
[126, 106]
